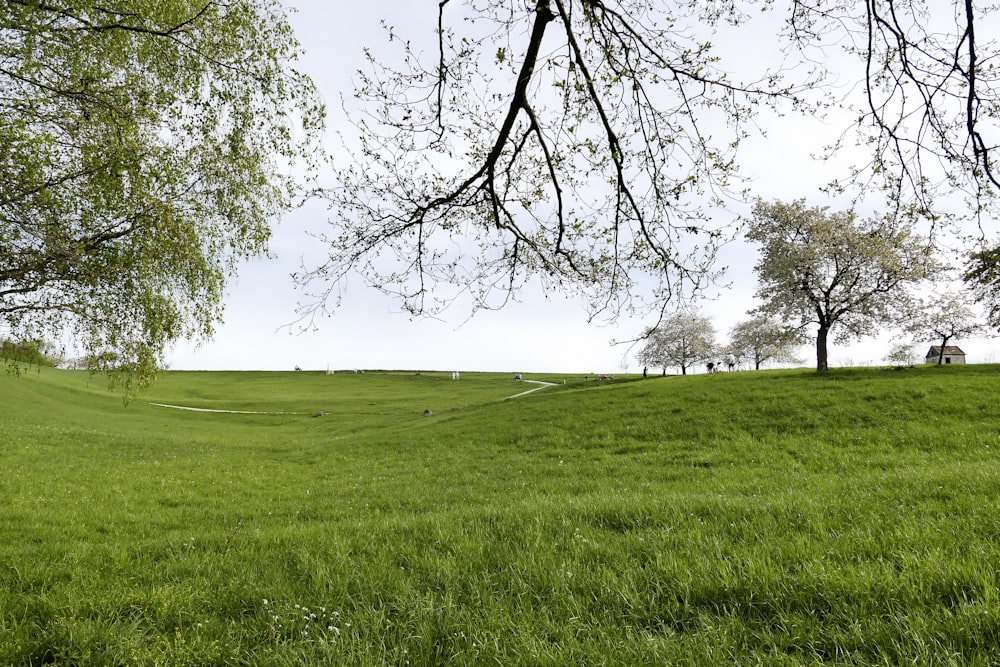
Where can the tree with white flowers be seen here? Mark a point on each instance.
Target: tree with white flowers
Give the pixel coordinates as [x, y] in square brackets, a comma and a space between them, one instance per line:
[944, 317]
[762, 339]
[844, 275]
[680, 340]
[982, 275]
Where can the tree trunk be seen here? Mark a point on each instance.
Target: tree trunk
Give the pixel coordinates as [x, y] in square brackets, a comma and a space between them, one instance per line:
[684, 370]
[944, 341]
[821, 355]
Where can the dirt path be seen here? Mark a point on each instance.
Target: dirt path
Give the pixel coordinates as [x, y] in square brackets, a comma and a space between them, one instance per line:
[231, 412]
[538, 382]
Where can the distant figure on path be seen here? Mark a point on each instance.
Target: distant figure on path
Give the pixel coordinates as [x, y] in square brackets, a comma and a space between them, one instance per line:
[731, 361]
[645, 371]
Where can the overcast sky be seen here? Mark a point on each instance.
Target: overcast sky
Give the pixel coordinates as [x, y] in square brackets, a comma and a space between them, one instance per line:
[542, 333]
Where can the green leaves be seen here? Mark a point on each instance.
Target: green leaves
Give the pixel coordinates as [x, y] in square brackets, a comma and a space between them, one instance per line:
[149, 154]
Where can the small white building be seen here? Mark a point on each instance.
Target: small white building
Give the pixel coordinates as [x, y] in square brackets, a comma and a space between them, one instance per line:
[952, 355]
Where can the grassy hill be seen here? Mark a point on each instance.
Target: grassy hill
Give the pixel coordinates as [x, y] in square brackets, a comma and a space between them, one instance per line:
[780, 517]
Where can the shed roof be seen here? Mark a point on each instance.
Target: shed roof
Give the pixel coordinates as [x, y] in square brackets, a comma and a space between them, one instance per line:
[950, 350]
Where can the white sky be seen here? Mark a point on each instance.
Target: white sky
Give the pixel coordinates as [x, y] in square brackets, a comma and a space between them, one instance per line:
[542, 333]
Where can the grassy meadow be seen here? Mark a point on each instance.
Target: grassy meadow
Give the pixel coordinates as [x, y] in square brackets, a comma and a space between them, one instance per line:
[772, 518]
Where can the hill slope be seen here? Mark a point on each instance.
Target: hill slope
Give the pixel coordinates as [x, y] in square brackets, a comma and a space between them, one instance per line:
[782, 517]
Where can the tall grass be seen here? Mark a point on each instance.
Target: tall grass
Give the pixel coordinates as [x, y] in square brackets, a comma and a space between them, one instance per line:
[749, 518]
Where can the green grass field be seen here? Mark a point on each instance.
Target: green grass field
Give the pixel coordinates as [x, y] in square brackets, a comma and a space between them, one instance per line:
[773, 518]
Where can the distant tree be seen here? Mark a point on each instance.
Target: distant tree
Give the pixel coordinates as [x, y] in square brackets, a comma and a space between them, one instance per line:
[832, 269]
[146, 148]
[943, 318]
[901, 354]
[762, 339]
[680, 340]
[28, 353]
